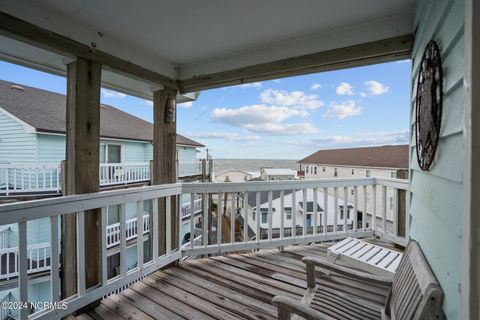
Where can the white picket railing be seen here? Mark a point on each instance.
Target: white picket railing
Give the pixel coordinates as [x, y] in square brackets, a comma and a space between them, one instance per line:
[324, 227]
[187, 208]
[29, 178]
[113, 230]
[38, 255]
[123, 173]
[186, 169]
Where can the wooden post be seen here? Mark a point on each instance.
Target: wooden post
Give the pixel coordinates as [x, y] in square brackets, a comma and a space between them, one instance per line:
[82, 169]
[402, 204]
[164, 154]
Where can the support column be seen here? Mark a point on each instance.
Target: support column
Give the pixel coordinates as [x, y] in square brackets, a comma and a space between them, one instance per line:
[82, 170]
[164, 153]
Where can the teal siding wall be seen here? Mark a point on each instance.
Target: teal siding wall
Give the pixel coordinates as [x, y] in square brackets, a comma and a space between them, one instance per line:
[185, 154]
[51, 148]
[135, 152]
[436, 196]
[16, 145]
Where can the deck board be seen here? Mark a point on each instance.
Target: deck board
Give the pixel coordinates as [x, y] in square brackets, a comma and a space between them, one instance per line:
[236, 286]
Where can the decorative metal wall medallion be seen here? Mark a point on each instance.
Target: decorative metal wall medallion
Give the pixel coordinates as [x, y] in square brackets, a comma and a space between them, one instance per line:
[428, 105]
[170, 110]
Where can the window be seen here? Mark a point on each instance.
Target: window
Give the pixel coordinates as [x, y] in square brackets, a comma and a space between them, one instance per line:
[245, 178]
[352, 192]
[323, 169]
[367, 173]
[110, 153]
[264, 217]
[315, 169]
[288, 212]
[306, 168]
[353, 171]
[335, 172]
[393, 175]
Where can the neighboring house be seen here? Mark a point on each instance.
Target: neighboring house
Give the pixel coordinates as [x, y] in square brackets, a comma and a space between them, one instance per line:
[32, 146]
[300, 212]
[268, 174]
[382, 161]
[235, 176]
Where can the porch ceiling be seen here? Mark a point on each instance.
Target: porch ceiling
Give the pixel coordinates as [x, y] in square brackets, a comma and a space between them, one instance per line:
[184, 42]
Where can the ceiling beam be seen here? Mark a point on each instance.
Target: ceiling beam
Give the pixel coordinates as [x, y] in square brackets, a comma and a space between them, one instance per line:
[21, 30]
[386, 50]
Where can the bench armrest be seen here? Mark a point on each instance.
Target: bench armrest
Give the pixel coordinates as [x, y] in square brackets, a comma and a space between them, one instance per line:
[312, 262]
[286, 306]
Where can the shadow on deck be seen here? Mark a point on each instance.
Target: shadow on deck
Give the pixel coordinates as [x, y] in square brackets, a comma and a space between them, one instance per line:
[236, 286]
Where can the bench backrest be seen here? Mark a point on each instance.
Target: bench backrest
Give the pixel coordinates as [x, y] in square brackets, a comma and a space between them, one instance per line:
[415, 292]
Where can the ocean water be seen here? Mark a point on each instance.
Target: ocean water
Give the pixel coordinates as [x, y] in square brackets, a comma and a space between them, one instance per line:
[220, 165]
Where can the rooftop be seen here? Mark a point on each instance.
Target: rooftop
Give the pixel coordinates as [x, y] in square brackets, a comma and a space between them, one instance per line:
[45, 111]
[279, 171]
[381, 156]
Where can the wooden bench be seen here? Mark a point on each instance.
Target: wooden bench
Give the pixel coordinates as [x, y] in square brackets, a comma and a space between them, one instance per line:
[413, 293]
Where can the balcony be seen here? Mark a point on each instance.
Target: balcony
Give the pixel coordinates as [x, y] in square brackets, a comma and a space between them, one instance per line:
[222, 232]
[37, 179]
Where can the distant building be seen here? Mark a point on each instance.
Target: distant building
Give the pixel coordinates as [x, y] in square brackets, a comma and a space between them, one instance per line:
[269, 174]
[236, 176]
[382, 162]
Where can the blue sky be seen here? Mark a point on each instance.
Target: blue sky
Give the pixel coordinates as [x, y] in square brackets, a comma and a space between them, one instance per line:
[288, 118]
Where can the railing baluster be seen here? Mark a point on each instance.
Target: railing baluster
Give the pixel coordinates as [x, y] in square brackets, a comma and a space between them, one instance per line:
[325, 210]
[270, 216]
[245, 217]
[140, 234]
[154, 233]
[335, 209]
[168, 224]
[192, 220]
[232, 218]
[219, 218]
[282, 213]
[294, 214]
[81, 253]
[355, 208]
[374, 207]
[364, 213]
[54, 259]
[123, 241]
[103, 227]
[384, 209]
[205, 220]
[345, 209]
[257, 213]
[305, 212]
[22, 266]
[315, 210]
[395, 212]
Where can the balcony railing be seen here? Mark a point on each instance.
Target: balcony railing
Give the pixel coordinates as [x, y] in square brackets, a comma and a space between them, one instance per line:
[24, 178]
[113, 230]
[38, 260]
[213, 236]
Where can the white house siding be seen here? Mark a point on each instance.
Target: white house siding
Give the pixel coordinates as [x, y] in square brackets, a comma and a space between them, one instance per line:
[16, 144]
[134, 151]
[436, 196]
[186, 154]
[358, 172]
[51, 148]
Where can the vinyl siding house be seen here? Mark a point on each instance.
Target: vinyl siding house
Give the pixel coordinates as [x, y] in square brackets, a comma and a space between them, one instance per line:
[380, 161]
[32, 146]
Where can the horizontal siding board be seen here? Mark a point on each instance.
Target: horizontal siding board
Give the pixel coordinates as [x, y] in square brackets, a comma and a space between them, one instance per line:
[51, 148]
[16, 145]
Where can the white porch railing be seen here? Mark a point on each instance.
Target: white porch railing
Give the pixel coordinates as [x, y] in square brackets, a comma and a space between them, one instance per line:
[113, 230]
[187, 208]
[186, 169]
[384, 226]
[29, 178]
[38, 259]
[123, 173]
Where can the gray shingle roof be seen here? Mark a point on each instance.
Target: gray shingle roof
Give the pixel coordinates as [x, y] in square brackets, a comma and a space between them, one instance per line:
[46, 112]
[383, 156]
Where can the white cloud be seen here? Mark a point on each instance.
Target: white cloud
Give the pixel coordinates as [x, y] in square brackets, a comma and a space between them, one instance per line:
[376, 88]
[363, 94]
[228, 136]
[112, 94]
[342, 110]
[282, 128]
[185, 105]
[315, 86]
[252, 85]
[255, 115]
[362, 139]
[345, 89]
[293, 99]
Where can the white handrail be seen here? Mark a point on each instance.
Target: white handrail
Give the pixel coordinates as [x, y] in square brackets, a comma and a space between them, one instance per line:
[38, 256]
[327, 198]
[113, 230]
[29, 178]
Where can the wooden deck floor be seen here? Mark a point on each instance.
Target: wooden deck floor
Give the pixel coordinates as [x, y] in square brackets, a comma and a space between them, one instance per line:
[237, 286]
